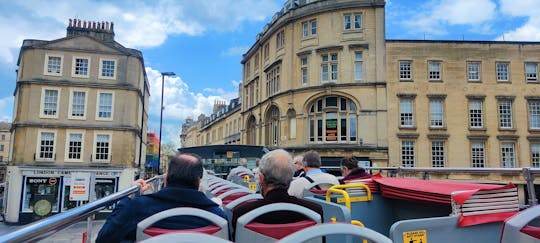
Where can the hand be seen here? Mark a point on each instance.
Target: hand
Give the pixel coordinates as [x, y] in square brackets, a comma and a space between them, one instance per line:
[144, 185]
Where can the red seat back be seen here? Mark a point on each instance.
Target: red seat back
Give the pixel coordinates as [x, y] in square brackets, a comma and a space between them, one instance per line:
[278, 231]
[233, 197]
[532, 231]
[153, 231]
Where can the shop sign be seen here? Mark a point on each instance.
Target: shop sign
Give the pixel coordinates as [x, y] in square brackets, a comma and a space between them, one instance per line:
[61, 172]
[80, 187]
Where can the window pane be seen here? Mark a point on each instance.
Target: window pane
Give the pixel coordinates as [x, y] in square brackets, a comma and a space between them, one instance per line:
[407, 153]
[505, 114]
[534, 114]
[478, 154]
[476, 114]
[535, 155]
[77, 104]
[105, 105]
[436, 113]
[437, 153]
[50, 102]
[107, 68]
[507, 155]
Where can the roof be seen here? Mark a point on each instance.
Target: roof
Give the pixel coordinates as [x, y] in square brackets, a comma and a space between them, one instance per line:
[5, 126]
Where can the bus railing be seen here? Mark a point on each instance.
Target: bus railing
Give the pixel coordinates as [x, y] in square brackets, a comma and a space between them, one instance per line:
[46, 227]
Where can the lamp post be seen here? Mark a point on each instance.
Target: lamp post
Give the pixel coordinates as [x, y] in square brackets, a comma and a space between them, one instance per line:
[163, 74]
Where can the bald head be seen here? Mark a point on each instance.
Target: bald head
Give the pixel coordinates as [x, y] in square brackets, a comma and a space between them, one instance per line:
[185, 170]
[276, 166]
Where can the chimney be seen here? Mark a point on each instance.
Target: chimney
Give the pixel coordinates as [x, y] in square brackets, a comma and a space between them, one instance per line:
[100, 30]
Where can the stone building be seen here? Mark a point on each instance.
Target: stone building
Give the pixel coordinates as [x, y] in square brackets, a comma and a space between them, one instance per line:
[5, 140]
[80, 108]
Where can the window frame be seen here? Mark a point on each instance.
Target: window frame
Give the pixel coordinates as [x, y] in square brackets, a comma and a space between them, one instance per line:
[438, 155]
[109, 147]
[529, 76]
[304, 70]
[280, 40]
[432, 114]
[320, 115]
[70, 109]
[74, 67]
[46, 65]
[98, 98]
[42, 103]
[403, 72]
[505, 119]
[499, 72]
[470, 71]
[475, 158]
[432, 73]
[38, 145]
[67, 146]
[508, 156]
[329, 64]
[352, 21]
[100, 75]
[404, 157]
[359, 61]
[402, 114]
[481, 114]
[535, 154]
[533, 110]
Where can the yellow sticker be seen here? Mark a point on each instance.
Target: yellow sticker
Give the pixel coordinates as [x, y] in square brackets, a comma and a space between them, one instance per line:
[252, 186]
[417, 236]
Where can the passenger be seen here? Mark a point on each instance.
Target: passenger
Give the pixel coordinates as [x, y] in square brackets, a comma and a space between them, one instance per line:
[298, 166]
[275, 175]
[312, 162]
[181, 190]
[256, 169]
[237, 174]
[351, 171]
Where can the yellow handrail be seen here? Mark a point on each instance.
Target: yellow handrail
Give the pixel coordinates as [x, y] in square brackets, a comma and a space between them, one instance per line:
[347, 199]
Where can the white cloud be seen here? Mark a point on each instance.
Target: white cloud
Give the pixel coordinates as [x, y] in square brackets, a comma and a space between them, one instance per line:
[235, 51]
[436, 14]
[179, 101]
[530, 30]
[235, 83]
[137, 23]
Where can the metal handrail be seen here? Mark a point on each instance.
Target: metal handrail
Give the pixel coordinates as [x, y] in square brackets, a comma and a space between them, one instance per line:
[44, 228]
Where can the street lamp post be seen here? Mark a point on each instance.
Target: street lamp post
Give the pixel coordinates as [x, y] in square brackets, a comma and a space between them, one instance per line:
[163, 74]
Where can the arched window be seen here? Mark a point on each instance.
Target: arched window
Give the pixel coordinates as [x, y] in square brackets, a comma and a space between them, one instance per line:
[272, 126]
[332, 119]
[250, 132]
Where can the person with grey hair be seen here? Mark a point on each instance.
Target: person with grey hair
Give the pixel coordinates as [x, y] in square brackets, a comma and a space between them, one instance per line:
[312, 166]
[237, 174]
[298, 166]
[275, 175]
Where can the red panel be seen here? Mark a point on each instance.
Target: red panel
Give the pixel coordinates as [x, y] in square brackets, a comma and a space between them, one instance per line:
[223, 191]
[278, 231]
[320, 192]
[532, 231]
[232, 197]
[465, 221]
[153, 231]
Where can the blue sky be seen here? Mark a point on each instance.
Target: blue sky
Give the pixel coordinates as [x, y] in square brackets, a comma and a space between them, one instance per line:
[202, 41]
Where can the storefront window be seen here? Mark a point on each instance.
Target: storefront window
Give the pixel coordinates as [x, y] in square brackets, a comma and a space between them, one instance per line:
[41, 195]
[333, 119]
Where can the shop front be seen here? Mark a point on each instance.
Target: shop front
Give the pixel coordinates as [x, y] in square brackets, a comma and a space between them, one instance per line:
[36, 193]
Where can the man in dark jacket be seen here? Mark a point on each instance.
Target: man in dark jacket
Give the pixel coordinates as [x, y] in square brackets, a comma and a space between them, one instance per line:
[181, 190]
[275, 175]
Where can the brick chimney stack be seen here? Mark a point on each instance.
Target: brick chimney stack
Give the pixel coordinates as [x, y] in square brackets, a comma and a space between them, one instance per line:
[100, 30]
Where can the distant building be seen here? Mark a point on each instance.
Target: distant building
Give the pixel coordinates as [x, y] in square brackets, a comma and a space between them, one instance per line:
[80, 107]
[152, 154]
[322, 76]
[5, 140]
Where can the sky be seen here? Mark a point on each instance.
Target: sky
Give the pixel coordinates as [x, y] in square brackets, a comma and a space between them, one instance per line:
[202, 41]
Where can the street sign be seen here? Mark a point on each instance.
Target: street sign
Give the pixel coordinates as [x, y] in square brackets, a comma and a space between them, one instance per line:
[80, 187]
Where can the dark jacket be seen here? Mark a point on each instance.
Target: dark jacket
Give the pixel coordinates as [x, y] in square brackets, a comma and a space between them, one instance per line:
[355, 174]
[277, 195]
[299, 173]
[121, 225]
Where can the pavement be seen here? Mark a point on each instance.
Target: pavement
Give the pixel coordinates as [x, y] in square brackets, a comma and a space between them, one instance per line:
[71, 234]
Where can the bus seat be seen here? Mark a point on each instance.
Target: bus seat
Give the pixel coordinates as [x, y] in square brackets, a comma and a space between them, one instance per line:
[185, 238]
[518, 228]
[249, 231]
[335, 229]
[219, 229]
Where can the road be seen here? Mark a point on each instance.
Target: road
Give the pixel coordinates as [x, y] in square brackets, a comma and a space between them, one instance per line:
[68, 235]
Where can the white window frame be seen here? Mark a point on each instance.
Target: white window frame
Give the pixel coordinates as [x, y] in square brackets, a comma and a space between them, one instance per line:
[408, 153]
[478, 117]
[331, 66]
[42, 103]
[74, 66]
[502, 71]
[478, 154]
[505, 110]
[358, 66]
[476, 71]
[352, 21]
[38, 145]
[531, 76]
[280, 40]
[436, 116]
[94, 154]
[46, 65]
[534, 114]
[70, 111]
[438, 153]
[304, 71]
[508, 155]
[404, 72]
[66, 155]
[97, 106]
[309, 29]
[403, 114]
[535, 155]
[100, 75]
[435, 70]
